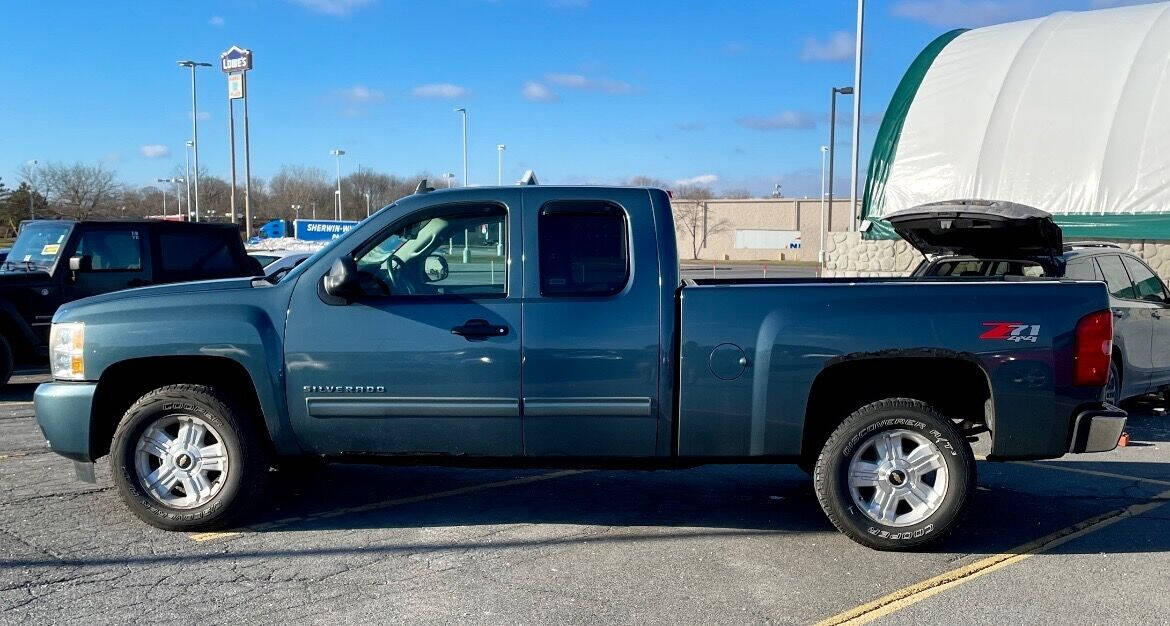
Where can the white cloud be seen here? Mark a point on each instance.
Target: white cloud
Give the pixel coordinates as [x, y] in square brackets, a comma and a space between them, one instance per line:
[538, 92]
[333, 7]
[216, 21]
[784, 120]
[154, 151]
[701, 179]
[443, 91]
[578, 81]
[838, 47]
[1103, 4]
[361, 94]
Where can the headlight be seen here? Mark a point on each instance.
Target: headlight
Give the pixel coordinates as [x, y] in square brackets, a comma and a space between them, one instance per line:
[67, 351]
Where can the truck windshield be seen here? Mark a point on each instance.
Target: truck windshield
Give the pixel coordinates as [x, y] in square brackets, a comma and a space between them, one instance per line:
[37, 247]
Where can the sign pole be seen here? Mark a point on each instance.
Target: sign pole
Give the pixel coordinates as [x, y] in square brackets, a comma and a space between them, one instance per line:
[247, 165]
[232, 147]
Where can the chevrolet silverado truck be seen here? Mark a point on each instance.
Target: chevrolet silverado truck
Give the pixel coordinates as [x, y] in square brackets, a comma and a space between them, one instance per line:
[56, 261]
[547, 326]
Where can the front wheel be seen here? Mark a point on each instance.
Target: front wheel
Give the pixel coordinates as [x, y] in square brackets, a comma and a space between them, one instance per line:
[184, 459]
[895, 475]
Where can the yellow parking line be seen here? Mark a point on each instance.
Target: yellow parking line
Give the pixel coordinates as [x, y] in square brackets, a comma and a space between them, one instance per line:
[213, 535]
[385, 504]
[1077, 470]
[918, 592]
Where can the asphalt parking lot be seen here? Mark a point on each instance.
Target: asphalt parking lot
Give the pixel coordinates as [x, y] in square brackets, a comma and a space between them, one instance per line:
[1079, 540]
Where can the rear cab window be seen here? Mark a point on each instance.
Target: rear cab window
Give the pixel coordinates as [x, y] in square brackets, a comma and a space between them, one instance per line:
[584, 248]
[203, 254]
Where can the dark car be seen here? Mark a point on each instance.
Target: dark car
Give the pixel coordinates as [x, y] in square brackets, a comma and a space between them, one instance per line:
[57, 261]
[972, 239]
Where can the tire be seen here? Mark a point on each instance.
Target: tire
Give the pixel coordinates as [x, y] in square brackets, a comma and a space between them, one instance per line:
[1113, 385]
[7, 360]
[917, 513]
[208, 476]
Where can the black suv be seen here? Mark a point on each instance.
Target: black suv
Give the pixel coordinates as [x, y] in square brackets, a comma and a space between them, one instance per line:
[999, 240]
[56, 261]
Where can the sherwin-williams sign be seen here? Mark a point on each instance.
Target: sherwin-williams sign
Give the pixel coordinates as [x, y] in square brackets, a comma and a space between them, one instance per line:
[321, 230]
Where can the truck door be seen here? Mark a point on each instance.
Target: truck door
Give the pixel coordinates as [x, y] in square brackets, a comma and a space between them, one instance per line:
[427, 361]
[591, 324]
[112, 260]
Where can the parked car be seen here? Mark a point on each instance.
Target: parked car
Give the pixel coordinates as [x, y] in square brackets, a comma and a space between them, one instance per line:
[56, 261]
[993, 239]
[279, 262]
[571, 341]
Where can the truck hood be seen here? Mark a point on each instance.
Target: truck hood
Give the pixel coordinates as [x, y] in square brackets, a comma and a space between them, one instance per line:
[978, 228]
[221, 284]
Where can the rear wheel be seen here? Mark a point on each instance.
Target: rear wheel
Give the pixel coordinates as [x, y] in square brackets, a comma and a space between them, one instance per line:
[895, 475]
[1113, 385]
[184, 459]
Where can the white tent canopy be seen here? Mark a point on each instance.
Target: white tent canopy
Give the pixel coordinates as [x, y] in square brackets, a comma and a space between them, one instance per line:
[1068, 113]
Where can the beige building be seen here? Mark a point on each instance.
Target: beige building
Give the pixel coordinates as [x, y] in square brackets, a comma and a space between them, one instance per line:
[763, 229]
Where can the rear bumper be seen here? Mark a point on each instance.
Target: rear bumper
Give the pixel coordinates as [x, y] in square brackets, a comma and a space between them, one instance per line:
[1097, 429]
[63, 412]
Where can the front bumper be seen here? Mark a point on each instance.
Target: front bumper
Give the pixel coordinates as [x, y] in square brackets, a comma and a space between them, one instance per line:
[1097, 429]
[64, 413]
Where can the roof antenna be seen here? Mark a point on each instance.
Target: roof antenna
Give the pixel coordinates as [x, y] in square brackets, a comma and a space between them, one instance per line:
[529, 178]
[422, 187]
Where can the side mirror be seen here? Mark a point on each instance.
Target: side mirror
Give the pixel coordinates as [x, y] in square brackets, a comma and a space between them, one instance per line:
[342, 280]
[436, 268]
[81, 263]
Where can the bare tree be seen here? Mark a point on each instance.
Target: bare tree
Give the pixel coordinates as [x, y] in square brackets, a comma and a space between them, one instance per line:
[692, 216]
[646, 181]
[80, 190]
[736, 194]
[299, 185]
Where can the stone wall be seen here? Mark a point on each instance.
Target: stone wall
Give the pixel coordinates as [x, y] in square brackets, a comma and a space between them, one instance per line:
[847, 255]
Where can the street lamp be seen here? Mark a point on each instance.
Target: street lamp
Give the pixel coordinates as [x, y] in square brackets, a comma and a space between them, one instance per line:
[337, 152]
[463, 112]
[164, 193]
[32, 168]
[194, 126]
[367, 195]
[296, 210]
[824, 216]
[187, 152]
[500, 164]
[845, 91]
[449, 176]
[179, 198]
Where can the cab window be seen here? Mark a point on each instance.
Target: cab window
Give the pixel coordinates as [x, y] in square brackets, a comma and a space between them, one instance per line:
[457, 252]
[584, 249]
[1115, 276]
[1146, 284]
[111, 250]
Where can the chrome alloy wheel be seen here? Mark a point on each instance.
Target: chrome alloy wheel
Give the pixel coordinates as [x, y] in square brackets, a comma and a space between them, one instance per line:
[898, 478]
[181, 461]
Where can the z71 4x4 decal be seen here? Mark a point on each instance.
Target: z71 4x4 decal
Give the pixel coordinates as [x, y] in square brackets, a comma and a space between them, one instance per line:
[1011, 331]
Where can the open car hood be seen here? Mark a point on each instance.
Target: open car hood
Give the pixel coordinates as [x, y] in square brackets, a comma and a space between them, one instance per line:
[978, 228]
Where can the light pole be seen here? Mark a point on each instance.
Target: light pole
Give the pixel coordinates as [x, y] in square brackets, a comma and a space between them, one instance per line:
[824, 215]
[367, 195]
[32, 188]
[463, 112]
[194, 126]
[296, 210]
[337, 152]
[500, 164]
[190, 144]
[178, 197]
[449, 176]
[845, 91]
[856, 116]
[163, 193]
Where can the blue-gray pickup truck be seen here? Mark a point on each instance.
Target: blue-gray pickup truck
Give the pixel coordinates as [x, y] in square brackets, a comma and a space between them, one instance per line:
[548, 326]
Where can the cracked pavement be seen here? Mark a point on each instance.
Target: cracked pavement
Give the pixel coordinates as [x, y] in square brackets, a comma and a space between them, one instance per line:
[717, 544]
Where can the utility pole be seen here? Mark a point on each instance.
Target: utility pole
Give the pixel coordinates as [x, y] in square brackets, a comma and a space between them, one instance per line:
[338, 152]
[856, 116]
[195, 126]
[463, 111]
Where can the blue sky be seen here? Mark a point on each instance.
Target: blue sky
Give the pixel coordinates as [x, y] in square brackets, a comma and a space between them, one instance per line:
[734, 94]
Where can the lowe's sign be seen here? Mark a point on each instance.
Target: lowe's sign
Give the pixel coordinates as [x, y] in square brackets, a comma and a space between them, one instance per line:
[236, 59]
[321, 230]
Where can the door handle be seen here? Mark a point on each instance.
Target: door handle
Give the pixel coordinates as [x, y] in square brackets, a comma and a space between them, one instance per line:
[478, 330]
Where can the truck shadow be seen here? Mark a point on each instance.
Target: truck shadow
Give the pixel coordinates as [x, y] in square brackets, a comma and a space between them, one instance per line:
[1015, 505]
